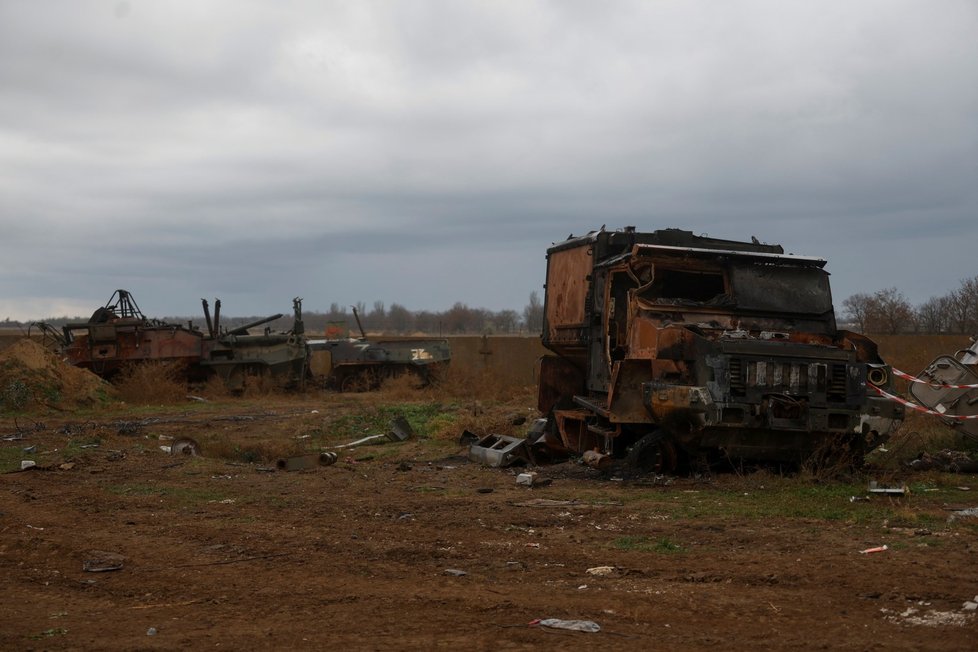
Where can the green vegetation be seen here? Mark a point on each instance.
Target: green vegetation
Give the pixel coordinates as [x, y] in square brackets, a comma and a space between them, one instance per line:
[645, 544]
[15, 396]
[375, 419]
[10, 457]
[176, 496]
[49, 633]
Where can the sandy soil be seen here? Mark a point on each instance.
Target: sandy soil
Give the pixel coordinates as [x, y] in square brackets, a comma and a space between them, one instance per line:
[410, 546]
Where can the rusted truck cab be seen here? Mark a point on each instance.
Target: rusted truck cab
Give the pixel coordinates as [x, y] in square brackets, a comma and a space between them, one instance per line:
[671, 346]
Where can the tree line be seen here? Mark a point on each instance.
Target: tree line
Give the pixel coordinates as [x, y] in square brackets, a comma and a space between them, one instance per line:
[888, 312]
[396, 319]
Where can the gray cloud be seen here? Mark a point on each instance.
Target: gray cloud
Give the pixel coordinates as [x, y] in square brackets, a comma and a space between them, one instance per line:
[429, 152]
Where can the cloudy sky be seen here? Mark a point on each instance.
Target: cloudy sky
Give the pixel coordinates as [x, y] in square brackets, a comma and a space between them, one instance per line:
[428, 152]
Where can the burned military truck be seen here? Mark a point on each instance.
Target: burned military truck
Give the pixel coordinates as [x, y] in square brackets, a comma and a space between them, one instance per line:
[671, 346]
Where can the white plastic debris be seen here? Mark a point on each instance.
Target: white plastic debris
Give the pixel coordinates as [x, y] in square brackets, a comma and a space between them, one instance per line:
[575, 625]
[601, 570]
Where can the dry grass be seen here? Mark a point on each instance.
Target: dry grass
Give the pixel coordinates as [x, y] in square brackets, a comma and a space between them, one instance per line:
[478, 385]
[152, 383]
[919, 433]
[261, 452]
[214, 389]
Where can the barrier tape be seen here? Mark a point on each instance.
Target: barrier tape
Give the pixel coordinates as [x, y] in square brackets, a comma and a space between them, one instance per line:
[920, 408]
[914, 379]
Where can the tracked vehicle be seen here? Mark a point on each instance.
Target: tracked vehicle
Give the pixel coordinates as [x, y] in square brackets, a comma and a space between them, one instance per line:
[361, 364]
[118, 335]
[671, 347]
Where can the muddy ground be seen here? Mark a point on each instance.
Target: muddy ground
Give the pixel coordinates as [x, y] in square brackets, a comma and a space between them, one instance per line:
[410, 546]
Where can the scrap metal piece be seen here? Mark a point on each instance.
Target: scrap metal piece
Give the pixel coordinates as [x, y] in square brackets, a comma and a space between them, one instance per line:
[100, 561]
[185, 446]
[951, 388]
[499, 450]
[875, 488]
[303, 462]
[400, 429]
[597, 460]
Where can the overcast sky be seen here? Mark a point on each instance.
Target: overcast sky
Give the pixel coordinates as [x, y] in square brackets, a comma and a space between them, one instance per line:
[428, 152]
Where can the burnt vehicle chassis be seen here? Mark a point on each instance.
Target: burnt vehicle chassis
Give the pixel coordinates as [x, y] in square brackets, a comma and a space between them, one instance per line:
[118, 335]
[671, 347]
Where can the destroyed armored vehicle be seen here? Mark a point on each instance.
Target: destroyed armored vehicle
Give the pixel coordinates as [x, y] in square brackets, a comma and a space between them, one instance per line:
[118, 335]
[359, 364]
[671, 347]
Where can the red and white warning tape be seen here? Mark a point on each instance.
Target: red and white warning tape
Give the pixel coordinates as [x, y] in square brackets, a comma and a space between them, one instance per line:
[914, 379]
[920, 408]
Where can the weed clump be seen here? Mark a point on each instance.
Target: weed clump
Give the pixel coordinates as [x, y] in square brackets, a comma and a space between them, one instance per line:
[152, 382]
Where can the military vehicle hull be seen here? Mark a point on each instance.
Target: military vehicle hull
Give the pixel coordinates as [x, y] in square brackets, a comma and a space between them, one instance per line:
[360, 365]
[118, 335]
[672, 347]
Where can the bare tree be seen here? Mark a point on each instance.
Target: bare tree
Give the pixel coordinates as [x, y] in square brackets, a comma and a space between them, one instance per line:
[934, 315]
[399, 318]
[533, 314]
[857, 309]
[964, 307]
[885, 312]
[506, 321]
[891, 313]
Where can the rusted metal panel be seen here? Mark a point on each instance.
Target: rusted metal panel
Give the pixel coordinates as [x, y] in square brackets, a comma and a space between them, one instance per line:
[559, 378]
[567, 288]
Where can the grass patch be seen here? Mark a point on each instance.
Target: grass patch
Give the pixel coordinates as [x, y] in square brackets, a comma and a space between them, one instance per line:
[663, 546]
[49, 633]
[77, 446]
[375, 420]
[10, 457]
[177, 496]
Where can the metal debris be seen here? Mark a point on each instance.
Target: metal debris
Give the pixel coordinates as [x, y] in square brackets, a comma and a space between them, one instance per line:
[400, 430]
[575, 625]
[876, 488]
[100, 561]
[499, 450]
[184, 446]
[303, 462]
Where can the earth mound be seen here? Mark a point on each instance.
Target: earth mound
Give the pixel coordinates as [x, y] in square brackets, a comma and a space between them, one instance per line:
[32, 377]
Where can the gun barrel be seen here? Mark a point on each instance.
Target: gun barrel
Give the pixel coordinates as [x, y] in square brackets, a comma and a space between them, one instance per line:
[243, 330]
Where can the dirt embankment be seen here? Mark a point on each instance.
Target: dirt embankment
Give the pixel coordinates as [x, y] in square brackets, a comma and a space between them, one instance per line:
[32, 377]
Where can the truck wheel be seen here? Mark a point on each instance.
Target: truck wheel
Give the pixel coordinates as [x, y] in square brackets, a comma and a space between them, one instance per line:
[653, 453]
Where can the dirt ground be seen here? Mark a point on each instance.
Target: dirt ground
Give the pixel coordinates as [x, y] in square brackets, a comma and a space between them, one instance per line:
[407, 545]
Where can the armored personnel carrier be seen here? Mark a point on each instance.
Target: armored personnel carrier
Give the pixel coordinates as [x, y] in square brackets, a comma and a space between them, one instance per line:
[361, 364]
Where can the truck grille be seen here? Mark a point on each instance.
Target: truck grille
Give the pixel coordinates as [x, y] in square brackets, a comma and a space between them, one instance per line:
[798, 378]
